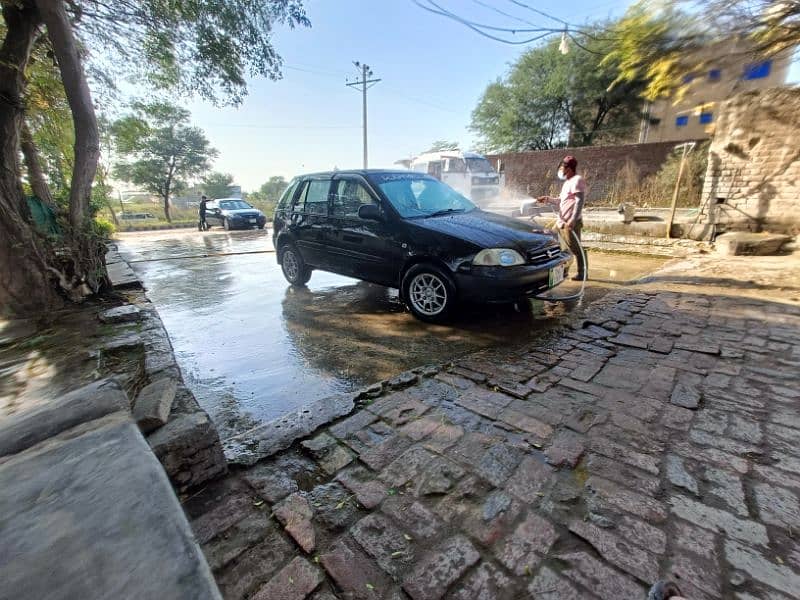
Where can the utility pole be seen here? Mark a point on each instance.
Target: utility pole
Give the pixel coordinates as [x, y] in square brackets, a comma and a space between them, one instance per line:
[363, 84]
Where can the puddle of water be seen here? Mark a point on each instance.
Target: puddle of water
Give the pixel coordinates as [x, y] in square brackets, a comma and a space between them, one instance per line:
[252, 348]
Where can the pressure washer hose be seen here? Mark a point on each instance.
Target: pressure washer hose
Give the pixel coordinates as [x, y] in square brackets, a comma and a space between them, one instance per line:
[579, 294]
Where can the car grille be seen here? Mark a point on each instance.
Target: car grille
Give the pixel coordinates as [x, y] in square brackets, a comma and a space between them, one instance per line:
[541, 256]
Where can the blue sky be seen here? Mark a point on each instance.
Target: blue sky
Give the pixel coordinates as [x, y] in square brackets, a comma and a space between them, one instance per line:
[433, 72]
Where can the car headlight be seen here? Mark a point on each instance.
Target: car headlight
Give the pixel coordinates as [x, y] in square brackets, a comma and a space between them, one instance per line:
[498, 257]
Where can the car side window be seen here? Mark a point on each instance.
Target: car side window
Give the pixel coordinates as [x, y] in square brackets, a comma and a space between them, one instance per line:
[211, 205]
[315, 197]
[348, 196]
[287, 196]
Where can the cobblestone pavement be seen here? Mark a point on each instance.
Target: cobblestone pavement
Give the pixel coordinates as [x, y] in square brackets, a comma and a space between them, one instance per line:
[658, 438]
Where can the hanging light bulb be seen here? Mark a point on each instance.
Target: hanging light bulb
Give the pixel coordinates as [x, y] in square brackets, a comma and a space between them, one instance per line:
[563, 47]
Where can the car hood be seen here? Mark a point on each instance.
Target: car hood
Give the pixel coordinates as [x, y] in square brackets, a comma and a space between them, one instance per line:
[487, 230]
[242, 211]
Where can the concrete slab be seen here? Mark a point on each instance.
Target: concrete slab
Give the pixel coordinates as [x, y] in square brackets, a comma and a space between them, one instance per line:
[127, 313]
[93, 401]
[90, 514]
[260, 442]
[742, 243]
[122, 276]
[153, 404]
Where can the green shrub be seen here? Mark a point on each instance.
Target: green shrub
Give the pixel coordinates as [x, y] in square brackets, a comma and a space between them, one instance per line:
[103, 227]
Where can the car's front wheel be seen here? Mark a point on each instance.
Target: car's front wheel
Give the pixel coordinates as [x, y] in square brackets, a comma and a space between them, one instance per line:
[429, 293]
[294, 267]
[226, 224]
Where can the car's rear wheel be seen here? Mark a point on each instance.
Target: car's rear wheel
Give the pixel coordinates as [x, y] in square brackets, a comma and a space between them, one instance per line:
[294, 267]
[429, 293]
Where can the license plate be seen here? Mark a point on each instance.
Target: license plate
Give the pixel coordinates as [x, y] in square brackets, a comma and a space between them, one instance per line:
[556, 275]
[252, 220]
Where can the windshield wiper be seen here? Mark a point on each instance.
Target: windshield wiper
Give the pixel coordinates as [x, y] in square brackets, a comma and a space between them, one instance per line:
[446, 211]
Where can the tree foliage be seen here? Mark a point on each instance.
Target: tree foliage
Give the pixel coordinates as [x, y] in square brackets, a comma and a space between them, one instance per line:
[661, 42]
[208, 47]
[267, 196]
[442, 146]
[163, 150]
[549, 100]
[217, 185]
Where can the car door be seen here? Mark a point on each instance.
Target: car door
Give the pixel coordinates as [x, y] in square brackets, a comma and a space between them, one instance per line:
[309, 221]
[361, 248]
[212, 213]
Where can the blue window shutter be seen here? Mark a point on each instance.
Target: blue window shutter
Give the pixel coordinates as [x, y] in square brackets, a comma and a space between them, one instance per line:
[706, 118]
[682, 121]
[758, 70]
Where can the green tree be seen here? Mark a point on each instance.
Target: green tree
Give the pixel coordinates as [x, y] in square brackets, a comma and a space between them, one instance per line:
[442, 146]
[207, 47]
[267, 196]
[164, 151]
[217, 185]
[662, 41]
[273, 188]
[549, 99]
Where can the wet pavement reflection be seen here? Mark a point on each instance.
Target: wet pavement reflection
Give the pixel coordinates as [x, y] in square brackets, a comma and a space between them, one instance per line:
[253, 348]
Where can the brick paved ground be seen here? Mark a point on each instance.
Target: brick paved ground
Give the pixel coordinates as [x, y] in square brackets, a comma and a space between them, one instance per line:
[658, 439]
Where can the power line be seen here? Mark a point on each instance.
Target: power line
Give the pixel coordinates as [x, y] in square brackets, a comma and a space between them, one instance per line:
[505, 14]
[539, 12]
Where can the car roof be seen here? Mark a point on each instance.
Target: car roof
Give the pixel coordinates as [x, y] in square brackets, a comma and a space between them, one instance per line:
[362, 172]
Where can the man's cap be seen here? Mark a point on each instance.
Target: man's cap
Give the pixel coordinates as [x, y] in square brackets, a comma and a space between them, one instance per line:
[570, 162]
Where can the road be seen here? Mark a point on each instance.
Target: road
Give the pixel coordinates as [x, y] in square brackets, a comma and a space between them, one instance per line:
[253, 348]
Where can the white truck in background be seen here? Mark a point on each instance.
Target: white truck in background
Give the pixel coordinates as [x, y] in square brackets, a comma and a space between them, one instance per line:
[469, 173]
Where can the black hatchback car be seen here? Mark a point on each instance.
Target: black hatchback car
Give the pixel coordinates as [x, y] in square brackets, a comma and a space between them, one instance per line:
[234, 213]
[410, 231]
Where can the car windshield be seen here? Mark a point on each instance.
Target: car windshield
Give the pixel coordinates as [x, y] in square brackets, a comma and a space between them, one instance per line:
[479, 165]
[234, 205]
[415, 195]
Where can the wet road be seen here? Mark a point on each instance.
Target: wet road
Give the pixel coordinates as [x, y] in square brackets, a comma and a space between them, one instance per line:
[253, 348]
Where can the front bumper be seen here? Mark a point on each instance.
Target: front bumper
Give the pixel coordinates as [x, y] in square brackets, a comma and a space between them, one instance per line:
[506, 284]
[242, 222]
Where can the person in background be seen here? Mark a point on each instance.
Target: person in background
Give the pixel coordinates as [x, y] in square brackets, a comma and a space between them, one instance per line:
[570, 210]
[202, 226]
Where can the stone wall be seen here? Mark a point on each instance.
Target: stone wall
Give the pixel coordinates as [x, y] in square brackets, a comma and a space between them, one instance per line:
[533, 173]
[753, 177]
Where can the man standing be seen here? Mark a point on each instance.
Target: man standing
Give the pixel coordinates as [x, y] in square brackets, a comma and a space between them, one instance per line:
[202, 226]
[570, 210]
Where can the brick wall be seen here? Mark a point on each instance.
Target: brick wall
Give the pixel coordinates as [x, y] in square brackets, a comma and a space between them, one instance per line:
[753, 177]
[534, 172]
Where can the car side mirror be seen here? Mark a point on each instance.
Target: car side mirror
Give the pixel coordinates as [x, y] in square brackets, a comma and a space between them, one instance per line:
[370, 212]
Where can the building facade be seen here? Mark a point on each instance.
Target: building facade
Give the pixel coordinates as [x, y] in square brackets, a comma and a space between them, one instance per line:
[729, 68]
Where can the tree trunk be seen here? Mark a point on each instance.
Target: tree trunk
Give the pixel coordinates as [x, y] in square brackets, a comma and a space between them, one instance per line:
[34, 167]
[88, 252]
[25, 275]
[168, 188]
[87, 135]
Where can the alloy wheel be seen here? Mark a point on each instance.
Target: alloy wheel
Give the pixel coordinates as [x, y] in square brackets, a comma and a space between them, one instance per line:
[428, 294]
